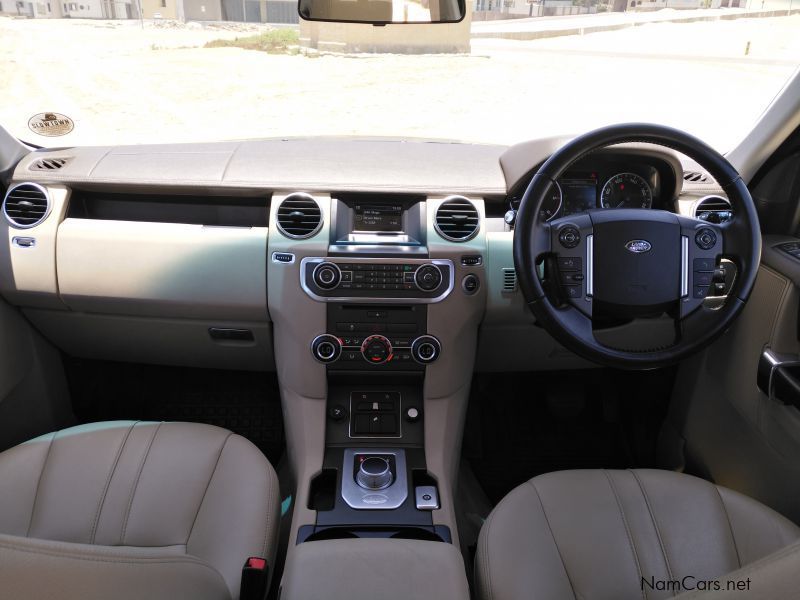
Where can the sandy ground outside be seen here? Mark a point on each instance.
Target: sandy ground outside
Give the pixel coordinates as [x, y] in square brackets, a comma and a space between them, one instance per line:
[123, 84]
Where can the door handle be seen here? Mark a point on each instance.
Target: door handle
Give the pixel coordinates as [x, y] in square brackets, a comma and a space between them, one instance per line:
[779, 377]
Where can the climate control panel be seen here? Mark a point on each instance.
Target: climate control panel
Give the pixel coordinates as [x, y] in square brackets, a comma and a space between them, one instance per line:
[376, 338]
[376, 350]
[386, 280]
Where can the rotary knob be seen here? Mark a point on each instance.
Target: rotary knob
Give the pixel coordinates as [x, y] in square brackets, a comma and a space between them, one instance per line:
[374, 473]
[326, 348]
[425, 349]
[327, 275]
[377, 350]
[428, 277]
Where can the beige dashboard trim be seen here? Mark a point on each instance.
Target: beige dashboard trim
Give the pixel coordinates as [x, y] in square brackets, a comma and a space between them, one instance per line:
[163, 269]
[316, 165]
[28, 274]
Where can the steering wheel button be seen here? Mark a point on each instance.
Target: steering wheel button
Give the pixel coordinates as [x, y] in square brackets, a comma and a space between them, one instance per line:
[571, 278]
[705, 238]
[703, 278]
[570, 263]
[569, 237]
[704, 264]
[700, 292]
[572, 291]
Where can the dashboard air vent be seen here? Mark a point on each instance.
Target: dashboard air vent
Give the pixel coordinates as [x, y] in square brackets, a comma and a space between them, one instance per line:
[48, 164]
[457, 219]
[714, 209]
[26, 205]
[509, 280]
[695, 176]
[299, 216]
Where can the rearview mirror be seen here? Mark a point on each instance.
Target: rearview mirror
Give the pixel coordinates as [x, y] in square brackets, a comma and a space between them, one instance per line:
[383, 12]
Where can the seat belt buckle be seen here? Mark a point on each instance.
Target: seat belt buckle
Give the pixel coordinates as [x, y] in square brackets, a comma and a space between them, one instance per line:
[255, 574]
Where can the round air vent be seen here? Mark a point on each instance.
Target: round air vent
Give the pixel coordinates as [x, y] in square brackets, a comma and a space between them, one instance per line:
[26, 205]
[299, 216]
[714, 209]
[457, 219]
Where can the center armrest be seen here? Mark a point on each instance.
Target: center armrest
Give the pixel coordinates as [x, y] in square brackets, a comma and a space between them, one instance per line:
[375, 568]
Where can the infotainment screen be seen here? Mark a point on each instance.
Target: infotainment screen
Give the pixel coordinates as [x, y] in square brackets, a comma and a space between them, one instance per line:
[378, 217]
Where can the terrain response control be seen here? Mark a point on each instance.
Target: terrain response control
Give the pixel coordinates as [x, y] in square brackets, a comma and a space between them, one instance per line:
[326, 348]
[426, 349]
[428, 277]
[374, 473]
[377, 350]
[327, 275]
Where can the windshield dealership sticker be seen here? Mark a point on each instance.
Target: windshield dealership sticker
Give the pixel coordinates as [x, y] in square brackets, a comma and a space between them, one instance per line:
[51, 124]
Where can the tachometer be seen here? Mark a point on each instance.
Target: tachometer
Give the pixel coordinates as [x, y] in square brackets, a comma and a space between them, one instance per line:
[552, 203]
[626, 190]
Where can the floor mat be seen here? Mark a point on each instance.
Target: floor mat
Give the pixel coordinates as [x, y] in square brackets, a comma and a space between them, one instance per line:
[246, 403]
[523, 425]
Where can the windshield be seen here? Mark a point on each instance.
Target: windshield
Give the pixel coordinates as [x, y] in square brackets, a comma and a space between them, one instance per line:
[153, 71]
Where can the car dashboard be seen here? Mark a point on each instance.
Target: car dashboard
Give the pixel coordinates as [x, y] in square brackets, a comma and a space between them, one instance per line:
[231, 255]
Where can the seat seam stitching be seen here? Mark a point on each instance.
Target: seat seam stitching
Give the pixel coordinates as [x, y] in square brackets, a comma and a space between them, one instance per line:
[96, 521]
[208, 485]
[489, 567]
[628, 533]
[655, 526]
[555, 543]
[39, 482]
[485, 564]
[136, 483]
[186, 559]
[268, 522]
[730, 526]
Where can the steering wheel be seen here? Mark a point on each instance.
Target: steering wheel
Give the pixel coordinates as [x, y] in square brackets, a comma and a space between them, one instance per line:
[627, 263]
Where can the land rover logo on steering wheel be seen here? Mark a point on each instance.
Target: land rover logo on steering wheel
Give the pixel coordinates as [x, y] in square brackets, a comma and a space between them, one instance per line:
[638, 246]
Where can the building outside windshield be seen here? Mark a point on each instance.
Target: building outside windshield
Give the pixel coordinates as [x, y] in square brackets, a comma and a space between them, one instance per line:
[96, 72]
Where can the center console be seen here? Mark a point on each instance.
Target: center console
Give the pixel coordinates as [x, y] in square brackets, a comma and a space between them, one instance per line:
[376, 317]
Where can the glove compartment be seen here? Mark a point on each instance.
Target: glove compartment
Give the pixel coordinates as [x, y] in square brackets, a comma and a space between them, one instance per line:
[163, 269]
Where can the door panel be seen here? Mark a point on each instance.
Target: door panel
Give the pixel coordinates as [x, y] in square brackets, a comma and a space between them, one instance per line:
[721, 425]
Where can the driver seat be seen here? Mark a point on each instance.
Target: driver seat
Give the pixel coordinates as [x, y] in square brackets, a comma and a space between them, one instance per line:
[591, 534]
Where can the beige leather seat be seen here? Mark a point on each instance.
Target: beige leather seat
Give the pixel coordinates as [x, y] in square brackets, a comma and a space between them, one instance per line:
[134, 510]
[609, 534]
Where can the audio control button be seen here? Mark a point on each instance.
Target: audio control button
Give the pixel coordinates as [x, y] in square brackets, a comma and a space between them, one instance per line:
[428, 277]
[327, 275]
[569, 236]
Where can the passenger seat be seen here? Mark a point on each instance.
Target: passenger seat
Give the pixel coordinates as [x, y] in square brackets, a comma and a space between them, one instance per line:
[134, 510]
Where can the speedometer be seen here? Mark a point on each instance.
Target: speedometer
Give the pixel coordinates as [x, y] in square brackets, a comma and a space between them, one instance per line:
[551, 204]
[626, 190]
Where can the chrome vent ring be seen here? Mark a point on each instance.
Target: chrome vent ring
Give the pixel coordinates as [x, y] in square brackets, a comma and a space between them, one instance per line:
[299, 216]
[26, 205]
[457, 219]
[713, 209]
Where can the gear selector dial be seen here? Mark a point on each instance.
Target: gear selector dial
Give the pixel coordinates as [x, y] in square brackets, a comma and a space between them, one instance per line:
[374, 473]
